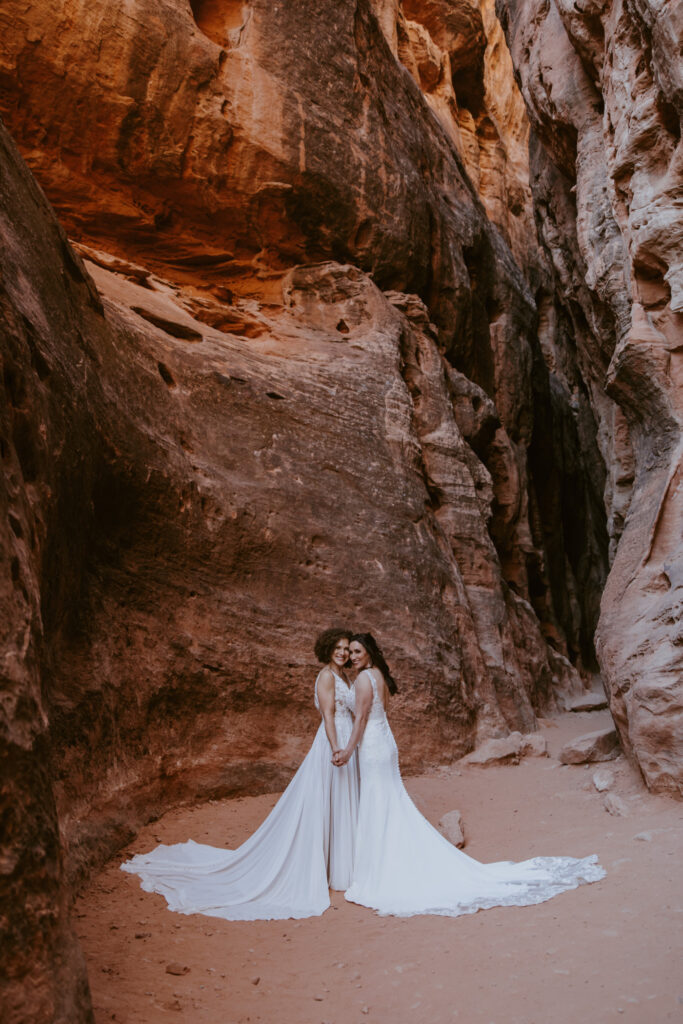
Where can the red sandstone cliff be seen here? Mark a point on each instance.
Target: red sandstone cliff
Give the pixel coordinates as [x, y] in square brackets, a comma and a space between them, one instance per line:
[335, 377]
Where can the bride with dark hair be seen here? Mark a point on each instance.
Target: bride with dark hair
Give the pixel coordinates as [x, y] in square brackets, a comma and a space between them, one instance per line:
[302, 849]
[402, 865]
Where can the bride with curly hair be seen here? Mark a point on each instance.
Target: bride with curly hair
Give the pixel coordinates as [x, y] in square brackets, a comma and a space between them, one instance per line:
[305, 845]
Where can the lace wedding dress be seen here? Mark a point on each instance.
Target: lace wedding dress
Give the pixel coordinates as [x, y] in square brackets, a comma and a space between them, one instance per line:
[403, 866]
[284, 869]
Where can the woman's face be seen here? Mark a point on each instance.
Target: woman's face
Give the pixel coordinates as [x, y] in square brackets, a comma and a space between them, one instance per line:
[359, 656]
[340, 655]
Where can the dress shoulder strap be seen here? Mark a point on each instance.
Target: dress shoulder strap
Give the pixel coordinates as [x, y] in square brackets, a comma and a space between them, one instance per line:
[372, 683]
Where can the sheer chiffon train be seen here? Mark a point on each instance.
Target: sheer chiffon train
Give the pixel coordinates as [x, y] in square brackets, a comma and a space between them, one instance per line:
[404, 867]
[379, 848]
[285, 868]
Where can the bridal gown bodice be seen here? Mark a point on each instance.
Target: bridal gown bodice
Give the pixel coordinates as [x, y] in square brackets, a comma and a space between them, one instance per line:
[403, 866]
[287, 865]
[344, 705]
[343, 788]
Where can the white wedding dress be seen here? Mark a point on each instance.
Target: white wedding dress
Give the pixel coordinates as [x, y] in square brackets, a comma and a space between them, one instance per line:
[286, 867]
[403, 866]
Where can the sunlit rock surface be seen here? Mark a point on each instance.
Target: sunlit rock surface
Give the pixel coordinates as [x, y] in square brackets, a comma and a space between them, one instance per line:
[317, 367]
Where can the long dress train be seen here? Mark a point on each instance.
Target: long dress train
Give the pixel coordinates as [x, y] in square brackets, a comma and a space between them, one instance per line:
[284, 868]
[404, 867]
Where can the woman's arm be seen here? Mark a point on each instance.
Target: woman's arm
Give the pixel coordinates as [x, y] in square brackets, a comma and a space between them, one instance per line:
[326, 702]
[363, 688]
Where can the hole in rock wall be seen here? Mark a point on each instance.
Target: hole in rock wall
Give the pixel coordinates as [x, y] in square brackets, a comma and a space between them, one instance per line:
[17, 529]
[25, 447]
[651, 287]
[14, 385]
[468, 86]
[220, 20]
[166, 375]
[669, 117]
[479, 363]
[363, 235]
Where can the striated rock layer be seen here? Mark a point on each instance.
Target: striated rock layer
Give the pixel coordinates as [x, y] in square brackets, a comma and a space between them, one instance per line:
[603, 88]
[219, 154]
[317, 369]
[192, 490]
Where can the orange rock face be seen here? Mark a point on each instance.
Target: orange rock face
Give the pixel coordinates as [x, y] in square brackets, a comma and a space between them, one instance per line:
[194, 141]
[317, 368]
[192, 490]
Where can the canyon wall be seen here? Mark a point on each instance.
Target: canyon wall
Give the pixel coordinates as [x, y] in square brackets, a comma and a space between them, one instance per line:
[603, 85]
[329, 345]
[191, 490]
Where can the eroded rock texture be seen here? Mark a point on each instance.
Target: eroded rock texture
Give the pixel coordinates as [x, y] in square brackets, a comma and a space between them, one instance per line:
[43, 294]
[325, 373]
[192, 489]
[215, 147]
[602, 83]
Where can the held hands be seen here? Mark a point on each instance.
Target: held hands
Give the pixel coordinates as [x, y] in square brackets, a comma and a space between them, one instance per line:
[340, 757]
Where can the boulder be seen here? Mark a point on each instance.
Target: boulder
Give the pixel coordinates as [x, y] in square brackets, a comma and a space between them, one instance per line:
[588, 702]
[602, 745]
[507, 750]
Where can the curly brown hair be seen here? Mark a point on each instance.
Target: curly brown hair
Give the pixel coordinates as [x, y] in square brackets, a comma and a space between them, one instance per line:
[327, 641]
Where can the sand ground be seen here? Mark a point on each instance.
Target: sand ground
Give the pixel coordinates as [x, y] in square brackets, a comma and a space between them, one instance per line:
[606, 952]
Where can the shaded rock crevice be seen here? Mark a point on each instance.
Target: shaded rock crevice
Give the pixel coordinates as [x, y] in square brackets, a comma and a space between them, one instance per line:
[620, 270]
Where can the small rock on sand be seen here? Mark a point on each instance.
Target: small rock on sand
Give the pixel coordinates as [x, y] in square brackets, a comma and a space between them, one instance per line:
[615, 805]
[176, 968]
[450, 826]
[602, 745]
[603, 779]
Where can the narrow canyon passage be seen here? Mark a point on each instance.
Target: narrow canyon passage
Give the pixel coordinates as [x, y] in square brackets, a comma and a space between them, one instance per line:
[337, 312]
[601, 953]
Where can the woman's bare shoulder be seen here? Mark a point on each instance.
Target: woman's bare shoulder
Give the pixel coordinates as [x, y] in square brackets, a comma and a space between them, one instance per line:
[326, 678]
[363, 679]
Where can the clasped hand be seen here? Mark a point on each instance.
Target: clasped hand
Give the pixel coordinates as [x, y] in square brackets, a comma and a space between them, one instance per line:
[339, 758]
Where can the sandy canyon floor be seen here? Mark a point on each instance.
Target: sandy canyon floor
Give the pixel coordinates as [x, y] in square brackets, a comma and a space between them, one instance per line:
[606, 952]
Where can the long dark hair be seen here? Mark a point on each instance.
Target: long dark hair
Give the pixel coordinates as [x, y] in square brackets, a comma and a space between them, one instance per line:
[368, 641]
